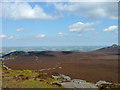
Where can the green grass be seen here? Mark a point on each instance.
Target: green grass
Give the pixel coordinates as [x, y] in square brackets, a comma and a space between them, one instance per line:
[26, 79]
[27, 84]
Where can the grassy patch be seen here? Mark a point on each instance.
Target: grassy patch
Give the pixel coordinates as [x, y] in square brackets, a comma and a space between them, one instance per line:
[26, 79]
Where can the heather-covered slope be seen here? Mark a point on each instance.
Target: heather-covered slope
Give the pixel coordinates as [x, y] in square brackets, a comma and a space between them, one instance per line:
[97, 65]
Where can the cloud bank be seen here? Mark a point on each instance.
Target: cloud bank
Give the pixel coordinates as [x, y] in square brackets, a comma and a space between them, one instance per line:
[90, 10]
[24, 11]
[3, 36]
[82, 27]
[111, 29]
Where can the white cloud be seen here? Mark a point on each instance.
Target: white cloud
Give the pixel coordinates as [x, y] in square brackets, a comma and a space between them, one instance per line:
[40, 36]
[11, 37]
[82, 27]
[60, 34]
[111, 28]
[23, 11]
[3, 36]
[90, 10]
[20, 29]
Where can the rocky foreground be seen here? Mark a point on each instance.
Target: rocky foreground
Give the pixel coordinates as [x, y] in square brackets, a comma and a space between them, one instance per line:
[74, 83]
[77, 83]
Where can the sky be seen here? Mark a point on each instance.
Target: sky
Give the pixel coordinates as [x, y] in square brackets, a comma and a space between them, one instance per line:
[59, 23]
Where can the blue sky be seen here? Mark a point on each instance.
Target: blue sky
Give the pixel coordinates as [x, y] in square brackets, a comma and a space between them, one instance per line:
[59, 24]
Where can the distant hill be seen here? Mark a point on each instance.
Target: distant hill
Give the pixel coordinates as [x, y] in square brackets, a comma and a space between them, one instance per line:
[32, 53]
[114, 49]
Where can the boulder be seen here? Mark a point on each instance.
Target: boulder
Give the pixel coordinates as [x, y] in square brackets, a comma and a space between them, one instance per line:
[56, 77]
[78, 81]
[67, 78]
[102, 82]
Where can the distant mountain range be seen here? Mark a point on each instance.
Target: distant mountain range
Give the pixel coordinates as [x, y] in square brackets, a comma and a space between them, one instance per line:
[111, 49]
